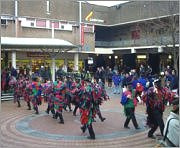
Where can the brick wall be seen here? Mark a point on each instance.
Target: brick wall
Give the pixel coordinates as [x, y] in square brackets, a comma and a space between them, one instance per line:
[69, 10]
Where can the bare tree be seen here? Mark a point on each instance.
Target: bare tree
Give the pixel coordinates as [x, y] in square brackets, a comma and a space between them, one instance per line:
[159, 28]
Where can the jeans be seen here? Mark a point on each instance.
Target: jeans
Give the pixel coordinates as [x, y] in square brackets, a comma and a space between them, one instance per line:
[116, 89]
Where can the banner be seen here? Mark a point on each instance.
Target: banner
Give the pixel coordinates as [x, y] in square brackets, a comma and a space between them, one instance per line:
[82, 34]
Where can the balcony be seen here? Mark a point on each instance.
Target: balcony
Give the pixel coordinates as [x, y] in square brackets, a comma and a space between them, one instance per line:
[149, 41]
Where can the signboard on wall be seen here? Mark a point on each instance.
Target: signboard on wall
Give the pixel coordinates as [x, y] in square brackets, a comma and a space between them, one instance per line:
[135, 34]
[37, 54]
[82, 34]
[89, 28]
[45, 24]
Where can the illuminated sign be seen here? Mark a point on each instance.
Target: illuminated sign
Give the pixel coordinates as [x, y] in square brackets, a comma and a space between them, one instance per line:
[141, 56]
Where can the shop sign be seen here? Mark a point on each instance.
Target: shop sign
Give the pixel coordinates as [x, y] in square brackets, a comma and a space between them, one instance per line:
[37, 54]
[96, 20]
[89, 28]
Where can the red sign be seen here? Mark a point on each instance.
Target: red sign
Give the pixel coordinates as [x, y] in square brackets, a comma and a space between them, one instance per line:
[135, 34]
[82, 34]
[40, 23]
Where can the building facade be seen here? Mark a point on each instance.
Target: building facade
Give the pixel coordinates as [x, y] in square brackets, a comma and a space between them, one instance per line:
[140, 31]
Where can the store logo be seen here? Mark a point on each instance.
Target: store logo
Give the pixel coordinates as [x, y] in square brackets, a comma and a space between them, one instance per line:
[96, 20]
[89, 18]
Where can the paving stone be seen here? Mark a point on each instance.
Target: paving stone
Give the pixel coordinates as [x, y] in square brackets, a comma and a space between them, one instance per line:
[21, 128]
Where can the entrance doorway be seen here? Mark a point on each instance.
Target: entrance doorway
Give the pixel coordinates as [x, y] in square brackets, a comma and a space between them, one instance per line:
[154, 62]
[129, 60]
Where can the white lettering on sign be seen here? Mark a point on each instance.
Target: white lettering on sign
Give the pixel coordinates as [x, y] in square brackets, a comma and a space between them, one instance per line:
[96, 20]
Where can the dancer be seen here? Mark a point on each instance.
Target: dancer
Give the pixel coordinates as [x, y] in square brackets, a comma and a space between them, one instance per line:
[27, 92]
[36, 94]
[59, 100]
[155, 108]
[87, 111]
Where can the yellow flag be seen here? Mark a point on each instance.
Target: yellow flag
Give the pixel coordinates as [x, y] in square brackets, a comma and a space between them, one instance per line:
[89, 16]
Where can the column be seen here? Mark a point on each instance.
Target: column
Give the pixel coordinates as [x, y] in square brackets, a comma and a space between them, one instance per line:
[160, 49]
[53, 69]
[133, 50]
[16, 18]
[65, 63]
[76, 59]
[14, 59]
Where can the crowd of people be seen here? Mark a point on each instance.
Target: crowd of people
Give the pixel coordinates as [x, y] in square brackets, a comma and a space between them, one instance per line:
[87, 91]
[85, 95]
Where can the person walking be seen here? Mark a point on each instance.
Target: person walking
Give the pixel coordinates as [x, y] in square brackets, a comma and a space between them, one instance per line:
[129, 107]
[116, 80]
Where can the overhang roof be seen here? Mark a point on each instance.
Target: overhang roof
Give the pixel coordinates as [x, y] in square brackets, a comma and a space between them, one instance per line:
[38, 43]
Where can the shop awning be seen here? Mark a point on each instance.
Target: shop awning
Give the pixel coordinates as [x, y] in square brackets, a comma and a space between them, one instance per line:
[35, 43]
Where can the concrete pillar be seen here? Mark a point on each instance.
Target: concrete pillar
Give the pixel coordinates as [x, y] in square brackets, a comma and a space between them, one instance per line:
[14, 59]
[16, 18]
[53, 69]
[133, 50]
[76, 64]
[65, 62]
[160, 49]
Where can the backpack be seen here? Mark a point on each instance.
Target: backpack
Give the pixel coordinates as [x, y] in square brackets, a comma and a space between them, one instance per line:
[124, 99]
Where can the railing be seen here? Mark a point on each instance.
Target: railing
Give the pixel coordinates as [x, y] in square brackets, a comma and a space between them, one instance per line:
[149, 41]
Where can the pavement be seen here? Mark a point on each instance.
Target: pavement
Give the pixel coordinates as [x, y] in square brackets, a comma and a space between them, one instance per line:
[21, 128]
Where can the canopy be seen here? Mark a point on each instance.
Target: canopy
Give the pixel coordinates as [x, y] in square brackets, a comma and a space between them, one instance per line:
[38, 43]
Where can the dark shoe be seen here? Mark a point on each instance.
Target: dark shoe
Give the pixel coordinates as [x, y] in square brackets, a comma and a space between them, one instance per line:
[151, 136]
[137, 128]
[91, 138]
[83, 129]
[62, 122]
[47, 111]
[127, 127]
[102, 120]
[19, 105]
[61, 118]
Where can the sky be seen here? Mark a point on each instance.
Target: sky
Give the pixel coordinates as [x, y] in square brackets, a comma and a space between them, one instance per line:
[106, 3]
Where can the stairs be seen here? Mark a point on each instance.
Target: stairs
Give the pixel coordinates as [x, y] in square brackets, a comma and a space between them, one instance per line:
[7, 96]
